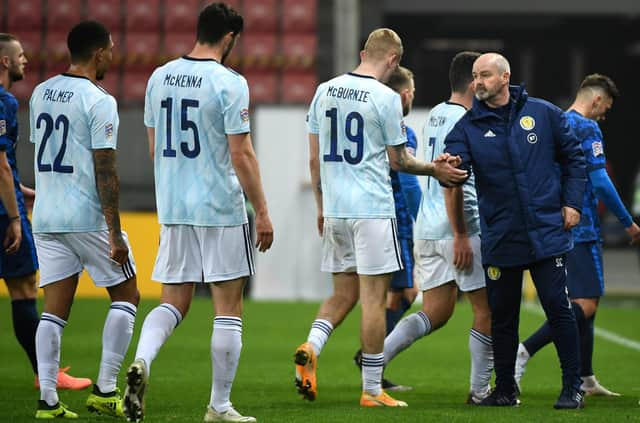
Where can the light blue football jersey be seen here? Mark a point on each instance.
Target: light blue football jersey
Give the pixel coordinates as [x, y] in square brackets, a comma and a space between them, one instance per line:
[69, 117]
[432, 221]
[356, 117]
[193, 105]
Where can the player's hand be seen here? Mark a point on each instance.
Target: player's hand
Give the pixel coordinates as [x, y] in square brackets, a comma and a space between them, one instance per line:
[320, 224]
[454, 161]
[13, 237]
[447, 173]
[570, 216]
[462, 252]
[119, 250]
[634, 233]
[264, 232]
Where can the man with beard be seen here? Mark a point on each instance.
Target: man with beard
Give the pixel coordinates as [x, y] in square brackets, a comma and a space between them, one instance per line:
[530, 179]
[76, 221]
[585, 277]
[18, 262]
[197, 119]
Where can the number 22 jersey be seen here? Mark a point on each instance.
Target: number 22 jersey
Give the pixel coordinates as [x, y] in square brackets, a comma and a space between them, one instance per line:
[356, 117]
[69, 117]
[193, 104]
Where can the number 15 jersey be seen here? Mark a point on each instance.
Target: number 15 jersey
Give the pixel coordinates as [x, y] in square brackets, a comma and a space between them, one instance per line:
[356, 117]
[69, 117]
[193, 104]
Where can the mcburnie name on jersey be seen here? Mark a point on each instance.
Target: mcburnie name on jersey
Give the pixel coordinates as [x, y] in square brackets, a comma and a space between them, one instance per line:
[348, 94]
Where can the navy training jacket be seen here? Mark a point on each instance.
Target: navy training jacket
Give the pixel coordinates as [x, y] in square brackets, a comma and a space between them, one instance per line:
[527, 168]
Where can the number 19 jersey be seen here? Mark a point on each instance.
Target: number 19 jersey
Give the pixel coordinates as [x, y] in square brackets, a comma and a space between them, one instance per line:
[193, 104]
[356, 117]
[69, 117]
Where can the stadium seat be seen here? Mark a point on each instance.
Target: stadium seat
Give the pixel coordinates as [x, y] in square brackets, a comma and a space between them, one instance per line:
[260, 15]
[181, 16]
[299, 16]
[62, 15]
[298, 87]
[177, 44]
[106, 11]
[299, 50]
[134, 85]
[24, 15]
[259, 50]
[141, 50]
[263, 86]
[23, 89]
[55, 54]
[143, 15]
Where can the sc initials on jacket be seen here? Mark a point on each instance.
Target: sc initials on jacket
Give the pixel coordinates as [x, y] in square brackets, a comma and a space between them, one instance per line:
[528, 164]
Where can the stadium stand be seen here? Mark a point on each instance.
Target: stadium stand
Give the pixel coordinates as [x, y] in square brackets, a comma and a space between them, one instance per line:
[107, 12]
[25, 15]
[62, 15]
[278, 46]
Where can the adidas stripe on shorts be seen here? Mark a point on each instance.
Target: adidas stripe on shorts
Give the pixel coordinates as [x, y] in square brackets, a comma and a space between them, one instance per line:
[65, 254]
[364, 246]
[190, 253]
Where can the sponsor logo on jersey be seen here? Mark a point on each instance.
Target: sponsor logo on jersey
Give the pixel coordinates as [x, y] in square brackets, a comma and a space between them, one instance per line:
[489, 134]
[532, 138]
[527, 123]
[244, 115]
[493, 273]
[3, 127]
[597, 149]
[108, 131]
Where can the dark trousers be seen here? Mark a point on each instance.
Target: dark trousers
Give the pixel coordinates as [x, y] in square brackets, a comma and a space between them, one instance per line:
[504, 289]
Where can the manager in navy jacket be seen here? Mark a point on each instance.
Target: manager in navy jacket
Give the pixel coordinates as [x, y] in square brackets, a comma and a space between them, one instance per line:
[530, 178]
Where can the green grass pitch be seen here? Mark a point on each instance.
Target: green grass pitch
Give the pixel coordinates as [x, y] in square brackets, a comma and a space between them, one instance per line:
[437, 367]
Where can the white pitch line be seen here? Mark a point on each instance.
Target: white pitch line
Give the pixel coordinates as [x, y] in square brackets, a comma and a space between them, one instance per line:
[602, 333]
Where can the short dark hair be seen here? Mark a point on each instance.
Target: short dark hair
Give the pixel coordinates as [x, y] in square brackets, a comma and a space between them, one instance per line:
[603, 82]
[216, 20]
[4, 39]
[399, 78]
[461, 69]
[85, 38]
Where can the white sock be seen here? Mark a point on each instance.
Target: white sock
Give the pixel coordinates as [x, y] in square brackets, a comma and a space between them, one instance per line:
[372, 367]
[226, 344]
[157, 327]
[406, 332]
[319, 334]
[116, 336]
[480, 347]
[48, 341]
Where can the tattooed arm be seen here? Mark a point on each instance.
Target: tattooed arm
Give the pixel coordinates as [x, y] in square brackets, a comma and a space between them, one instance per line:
[442, 168]
[108, 187]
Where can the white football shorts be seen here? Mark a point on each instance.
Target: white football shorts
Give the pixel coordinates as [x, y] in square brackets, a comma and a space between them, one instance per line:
[365, 246]
[64, 254]
[434, 265]
[203, 254]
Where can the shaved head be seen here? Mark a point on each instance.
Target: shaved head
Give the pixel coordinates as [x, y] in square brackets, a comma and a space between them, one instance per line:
[497, 60]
